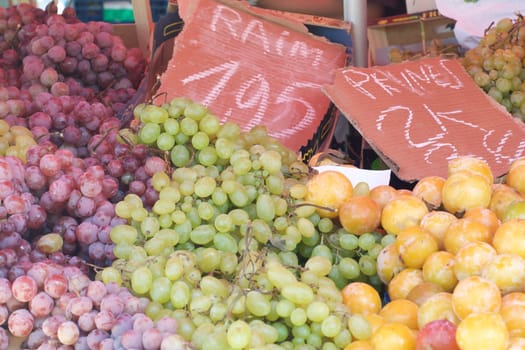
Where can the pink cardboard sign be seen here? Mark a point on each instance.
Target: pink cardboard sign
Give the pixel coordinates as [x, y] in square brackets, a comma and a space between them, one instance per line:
[251, 70]
[420, 114]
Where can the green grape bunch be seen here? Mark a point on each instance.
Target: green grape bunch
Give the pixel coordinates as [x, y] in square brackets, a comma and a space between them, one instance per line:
[497, 64]
[231, 248]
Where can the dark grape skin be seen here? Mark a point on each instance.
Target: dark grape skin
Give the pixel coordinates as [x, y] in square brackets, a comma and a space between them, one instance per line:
[50, 96]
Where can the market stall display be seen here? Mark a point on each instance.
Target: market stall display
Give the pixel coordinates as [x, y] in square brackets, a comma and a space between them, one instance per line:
[138, 218]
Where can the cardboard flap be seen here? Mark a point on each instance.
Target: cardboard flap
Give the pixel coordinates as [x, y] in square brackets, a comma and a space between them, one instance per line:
[418, 115]
[252, 71]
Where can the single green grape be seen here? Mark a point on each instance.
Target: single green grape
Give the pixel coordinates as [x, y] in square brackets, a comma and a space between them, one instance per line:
[141, 280]
[298, 316]
[200, 140]
[207, 156]
[149, 133]
[208, 260]
[368, 266]
[210, 124]
[160, 290]
[181, 138]
[366, 241]
[123, 234]
[165, 141]
[180, 156]
[180, 294]
[195, 111]
[257, 303]
[331, 326]
[388, 239]
[359, 327]
[239, 334]
[325, 225]
[224, 148]
[317, 311]
[188, 126]
[174, 112]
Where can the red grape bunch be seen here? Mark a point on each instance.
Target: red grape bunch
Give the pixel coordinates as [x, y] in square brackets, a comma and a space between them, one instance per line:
[55, 306]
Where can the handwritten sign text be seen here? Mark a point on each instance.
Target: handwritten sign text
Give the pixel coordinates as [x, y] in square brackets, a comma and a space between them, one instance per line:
[253, 71]
[421, 114]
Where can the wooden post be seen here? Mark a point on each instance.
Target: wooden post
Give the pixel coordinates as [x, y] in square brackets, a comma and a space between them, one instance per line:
[143, 24]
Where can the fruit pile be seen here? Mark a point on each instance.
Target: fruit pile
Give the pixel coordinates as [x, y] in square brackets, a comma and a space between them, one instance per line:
[63, 84]
[435, 49]
[497, 64]
[455, 271]
[240, 244]
[177, 231]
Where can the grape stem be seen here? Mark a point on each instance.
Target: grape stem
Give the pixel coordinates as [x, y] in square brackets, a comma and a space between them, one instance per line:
[314, 205]
[54, 133]
[154, 97]
[103, 91]
[154, 87]
[105, 136]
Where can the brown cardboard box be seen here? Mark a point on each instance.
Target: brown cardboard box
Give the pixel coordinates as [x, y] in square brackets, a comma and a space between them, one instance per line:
[410, 34]
[128, 32]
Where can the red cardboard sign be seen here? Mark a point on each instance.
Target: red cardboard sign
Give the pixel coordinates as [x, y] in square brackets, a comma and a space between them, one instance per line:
[251, 70]
[418, 115]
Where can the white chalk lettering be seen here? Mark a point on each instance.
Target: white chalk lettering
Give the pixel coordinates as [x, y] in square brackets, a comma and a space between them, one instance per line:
[438, 141]
[376, 81]
[413, 79]
[446, 79]
[390, 90]
[356, 79]
[255, 33]
[228, 69]
[291, 98]
[258, 98]
[300, 49]
[408, 115]
[441, 147]
[227, 17]
[279, 44]
[501, 142]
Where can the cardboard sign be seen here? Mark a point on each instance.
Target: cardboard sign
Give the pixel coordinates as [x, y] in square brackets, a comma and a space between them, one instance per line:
[251, 70]
[418, 115]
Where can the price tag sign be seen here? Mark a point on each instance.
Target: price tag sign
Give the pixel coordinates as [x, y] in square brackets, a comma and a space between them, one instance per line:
[418, 115]
[251, 70]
